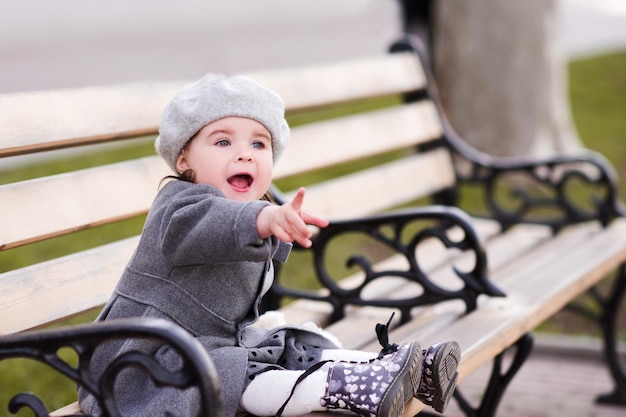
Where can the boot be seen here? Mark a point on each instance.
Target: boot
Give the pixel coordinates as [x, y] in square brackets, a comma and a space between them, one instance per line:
[439, 375]
[377, 388]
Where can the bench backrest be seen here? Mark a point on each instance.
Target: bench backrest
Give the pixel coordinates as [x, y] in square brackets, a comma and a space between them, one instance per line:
[382, 140]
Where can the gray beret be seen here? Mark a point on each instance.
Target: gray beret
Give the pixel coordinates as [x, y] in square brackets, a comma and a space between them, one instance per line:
[214, 97]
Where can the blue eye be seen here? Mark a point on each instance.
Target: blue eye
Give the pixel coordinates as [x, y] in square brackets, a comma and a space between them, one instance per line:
[222, 142]
[258, 145]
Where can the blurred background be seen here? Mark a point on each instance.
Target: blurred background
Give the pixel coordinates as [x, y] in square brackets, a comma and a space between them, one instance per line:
[519, 51]
[578, 52]
[69, 43]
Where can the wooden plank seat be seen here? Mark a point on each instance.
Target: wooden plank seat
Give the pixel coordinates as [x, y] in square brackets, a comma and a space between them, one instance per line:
[373, 147]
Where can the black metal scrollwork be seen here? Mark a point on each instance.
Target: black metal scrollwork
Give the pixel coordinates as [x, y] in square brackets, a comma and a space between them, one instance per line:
[605, 310]
[43, 346]
[555, 191]
[525, 189]
[397, 233]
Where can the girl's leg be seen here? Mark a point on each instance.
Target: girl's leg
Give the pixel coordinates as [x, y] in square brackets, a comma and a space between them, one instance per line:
[376, 387]
[267, 393]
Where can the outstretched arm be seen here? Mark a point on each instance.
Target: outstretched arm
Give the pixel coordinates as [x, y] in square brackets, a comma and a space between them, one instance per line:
[288, 222]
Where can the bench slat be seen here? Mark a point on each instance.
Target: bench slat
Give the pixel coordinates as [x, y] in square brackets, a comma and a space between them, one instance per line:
[46, 120]
[87, 278]
[132, 185]
[344, 197]
[68, 410]
[73, 117]
[325, 84]
[323, 144]
[78, 200]
[90, 277]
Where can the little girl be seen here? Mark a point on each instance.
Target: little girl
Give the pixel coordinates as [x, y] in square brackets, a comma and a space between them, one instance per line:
[205, 260]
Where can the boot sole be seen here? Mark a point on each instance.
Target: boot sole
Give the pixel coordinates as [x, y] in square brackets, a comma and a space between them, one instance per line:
[402, 388]
[445, 376]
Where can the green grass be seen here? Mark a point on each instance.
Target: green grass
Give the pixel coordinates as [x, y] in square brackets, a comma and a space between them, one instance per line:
[598, 92]
[598, 96]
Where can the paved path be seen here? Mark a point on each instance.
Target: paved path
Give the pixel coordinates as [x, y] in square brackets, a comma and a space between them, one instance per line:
[552, 383]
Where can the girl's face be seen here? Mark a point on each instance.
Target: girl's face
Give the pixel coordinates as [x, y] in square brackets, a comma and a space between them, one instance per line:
[233, 154]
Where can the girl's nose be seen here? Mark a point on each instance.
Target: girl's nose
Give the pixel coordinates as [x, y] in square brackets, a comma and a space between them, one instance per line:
[244, 156]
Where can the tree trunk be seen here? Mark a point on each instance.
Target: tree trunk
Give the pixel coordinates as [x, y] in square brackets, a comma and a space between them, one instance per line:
[502, 75]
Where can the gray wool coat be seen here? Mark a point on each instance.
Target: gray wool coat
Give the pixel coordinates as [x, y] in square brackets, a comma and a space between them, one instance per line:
[201, 264]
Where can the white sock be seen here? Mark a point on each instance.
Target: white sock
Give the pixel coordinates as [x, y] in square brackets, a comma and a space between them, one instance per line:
[347, 355]
[269, 391]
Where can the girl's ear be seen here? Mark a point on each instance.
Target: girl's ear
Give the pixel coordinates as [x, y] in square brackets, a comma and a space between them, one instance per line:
[181, 163]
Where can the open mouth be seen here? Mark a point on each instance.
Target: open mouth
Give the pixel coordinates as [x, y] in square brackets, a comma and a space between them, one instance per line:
[240, 181]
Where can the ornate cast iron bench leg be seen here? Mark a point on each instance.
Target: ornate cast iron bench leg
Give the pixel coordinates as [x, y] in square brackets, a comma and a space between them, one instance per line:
[605, 312]
[608, 321]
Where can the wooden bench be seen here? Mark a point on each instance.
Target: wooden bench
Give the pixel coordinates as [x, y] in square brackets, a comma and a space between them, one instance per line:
[372, 145]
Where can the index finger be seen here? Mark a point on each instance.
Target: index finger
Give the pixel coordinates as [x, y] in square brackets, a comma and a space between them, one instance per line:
[298, 199]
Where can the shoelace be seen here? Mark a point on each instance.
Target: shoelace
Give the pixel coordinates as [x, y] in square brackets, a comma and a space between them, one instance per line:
[301, 378]
[382, 331]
